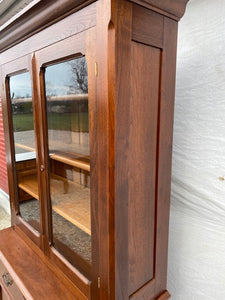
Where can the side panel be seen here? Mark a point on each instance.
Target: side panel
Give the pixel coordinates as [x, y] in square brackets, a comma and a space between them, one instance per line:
[144, 124]
[145, 66]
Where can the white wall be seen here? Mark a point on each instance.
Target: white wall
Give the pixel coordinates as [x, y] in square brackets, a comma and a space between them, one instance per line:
[196, 268]
[4, 201]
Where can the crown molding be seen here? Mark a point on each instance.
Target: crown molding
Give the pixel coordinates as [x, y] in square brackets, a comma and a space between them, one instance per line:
[45, 13]
[39, 16]
[173, 9]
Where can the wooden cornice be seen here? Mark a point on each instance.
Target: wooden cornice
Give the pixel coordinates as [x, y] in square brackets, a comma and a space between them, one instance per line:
[41, 15]
[45, 13]
[172, 8]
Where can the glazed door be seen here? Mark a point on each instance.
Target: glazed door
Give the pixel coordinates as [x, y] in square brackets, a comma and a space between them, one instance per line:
[19, 106]
[50, 103]
[66, 81]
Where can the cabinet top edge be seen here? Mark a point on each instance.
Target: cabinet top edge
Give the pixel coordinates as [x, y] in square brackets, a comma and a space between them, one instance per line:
[37, 17]
[41, 14]
[173, 9]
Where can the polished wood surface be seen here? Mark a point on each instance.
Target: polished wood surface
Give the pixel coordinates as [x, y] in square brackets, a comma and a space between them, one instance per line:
[105, 112]
[137, 278]
[8, 284]
[31, 273]
[70, 160]
[143, 163]
[45, 13]
[122, 35]
[29, 185]
[164, 296]
[173, 9]
[147, 27]
[130, 47]
[3, 294]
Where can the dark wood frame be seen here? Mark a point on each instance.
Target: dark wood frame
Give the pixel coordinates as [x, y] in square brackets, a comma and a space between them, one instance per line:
[70, 48]
[22, 65]
[63, 50]
[127, 31]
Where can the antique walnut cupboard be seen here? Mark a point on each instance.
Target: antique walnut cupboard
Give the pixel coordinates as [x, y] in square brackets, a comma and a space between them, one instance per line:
[88, 93]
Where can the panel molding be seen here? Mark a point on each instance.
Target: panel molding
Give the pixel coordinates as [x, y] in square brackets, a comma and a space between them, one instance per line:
[144, 109]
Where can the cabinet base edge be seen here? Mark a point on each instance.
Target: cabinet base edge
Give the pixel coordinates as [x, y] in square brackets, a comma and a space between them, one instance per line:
[164, 296]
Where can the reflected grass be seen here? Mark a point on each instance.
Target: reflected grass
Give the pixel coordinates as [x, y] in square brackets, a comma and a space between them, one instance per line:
[67, 121]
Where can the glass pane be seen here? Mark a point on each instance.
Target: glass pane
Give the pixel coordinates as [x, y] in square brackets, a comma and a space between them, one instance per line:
[68, 140]
[24, 143]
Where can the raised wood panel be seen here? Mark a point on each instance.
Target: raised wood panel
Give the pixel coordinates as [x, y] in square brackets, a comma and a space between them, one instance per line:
[145, 71]
[165, 131]
[147, 26]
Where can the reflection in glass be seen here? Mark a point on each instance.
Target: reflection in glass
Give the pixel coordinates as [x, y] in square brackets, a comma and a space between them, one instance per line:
[66, 87]
[24, 143]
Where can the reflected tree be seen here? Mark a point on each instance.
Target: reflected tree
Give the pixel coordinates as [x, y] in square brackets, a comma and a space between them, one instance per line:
[79, 71]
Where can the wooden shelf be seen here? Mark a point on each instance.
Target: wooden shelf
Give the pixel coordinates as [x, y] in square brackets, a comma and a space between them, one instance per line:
[70, 159]
[70, 200]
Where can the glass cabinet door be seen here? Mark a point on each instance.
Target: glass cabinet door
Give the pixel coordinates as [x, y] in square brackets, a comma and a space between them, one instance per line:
[66, 93]
[22, 118]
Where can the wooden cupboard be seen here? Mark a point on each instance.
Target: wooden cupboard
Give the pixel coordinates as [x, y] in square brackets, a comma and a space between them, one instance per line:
[88, 93]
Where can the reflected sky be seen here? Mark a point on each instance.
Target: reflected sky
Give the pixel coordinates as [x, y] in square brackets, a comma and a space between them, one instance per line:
[59, 79]
[20, 86]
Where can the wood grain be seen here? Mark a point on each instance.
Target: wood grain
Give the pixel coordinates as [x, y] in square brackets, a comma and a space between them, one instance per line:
[171, 8]
[143, 162]
[131, 97]
[12, 289]
[36, 19]
[147, 27]
[71, 161]
[82, 20]
[164, 155]
[91, 46]
[31, 273]
[167, 91]
[164, 296]
[123, 31]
